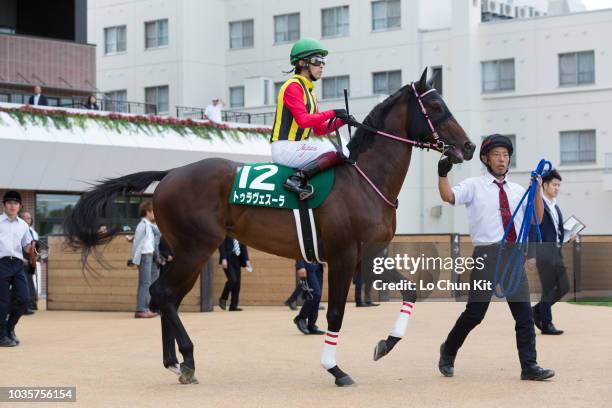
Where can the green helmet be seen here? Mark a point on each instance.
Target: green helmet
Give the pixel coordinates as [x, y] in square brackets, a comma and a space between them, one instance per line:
[306, 47]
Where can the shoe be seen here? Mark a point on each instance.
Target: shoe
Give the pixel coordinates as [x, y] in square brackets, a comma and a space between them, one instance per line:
[7, 342]
[536, 317]
[144, 315]
[446, 364]
[222, 303]
[370, 304]
[550, 329]
[301, 325]
[28, 312]
[235, 309]
[315, 330]
[290, 305]
[297, 184]
[321, 307]
[536, 373]
[361, 304]
[13, 336]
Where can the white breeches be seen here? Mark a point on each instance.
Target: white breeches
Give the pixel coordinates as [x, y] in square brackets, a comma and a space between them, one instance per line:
[296, 154]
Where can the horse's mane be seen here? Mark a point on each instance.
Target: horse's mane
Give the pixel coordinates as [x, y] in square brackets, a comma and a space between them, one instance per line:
[363, 139]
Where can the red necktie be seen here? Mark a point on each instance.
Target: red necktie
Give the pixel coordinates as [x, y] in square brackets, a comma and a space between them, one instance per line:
[504, 208]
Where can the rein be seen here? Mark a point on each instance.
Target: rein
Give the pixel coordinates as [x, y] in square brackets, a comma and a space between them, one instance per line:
[438, 145]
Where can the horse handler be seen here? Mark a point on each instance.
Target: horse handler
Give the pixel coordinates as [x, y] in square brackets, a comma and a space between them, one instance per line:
[490, 200]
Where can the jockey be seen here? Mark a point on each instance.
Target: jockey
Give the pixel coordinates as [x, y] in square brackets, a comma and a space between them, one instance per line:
[297, 115]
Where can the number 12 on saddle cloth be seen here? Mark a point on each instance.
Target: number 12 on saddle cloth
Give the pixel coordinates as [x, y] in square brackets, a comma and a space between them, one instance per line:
[261, 184]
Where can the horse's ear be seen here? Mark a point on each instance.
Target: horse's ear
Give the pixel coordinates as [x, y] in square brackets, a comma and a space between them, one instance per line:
[431, 80]
[423, 80]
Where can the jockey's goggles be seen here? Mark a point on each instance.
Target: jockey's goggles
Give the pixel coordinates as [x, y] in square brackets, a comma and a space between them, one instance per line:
[316, 61]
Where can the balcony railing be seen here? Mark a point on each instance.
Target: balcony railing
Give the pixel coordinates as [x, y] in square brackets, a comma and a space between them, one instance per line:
[259, 118]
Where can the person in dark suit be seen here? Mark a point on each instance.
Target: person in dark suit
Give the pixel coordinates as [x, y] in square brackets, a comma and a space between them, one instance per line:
[38, 98]
[166, 255]
[311, 277]
[547, 256]
[232, 256]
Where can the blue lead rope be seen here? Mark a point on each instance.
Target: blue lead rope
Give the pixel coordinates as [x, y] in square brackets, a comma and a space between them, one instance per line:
[512, 272]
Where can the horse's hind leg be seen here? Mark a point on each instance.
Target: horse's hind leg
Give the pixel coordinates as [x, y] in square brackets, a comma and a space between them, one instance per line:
[340, 274]
[169, 293]
[401, 322]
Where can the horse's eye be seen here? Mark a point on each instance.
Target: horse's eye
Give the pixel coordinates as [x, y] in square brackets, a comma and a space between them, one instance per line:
[436, 106]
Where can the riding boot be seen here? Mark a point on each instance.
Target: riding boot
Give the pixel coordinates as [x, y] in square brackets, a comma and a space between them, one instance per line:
[298, 181]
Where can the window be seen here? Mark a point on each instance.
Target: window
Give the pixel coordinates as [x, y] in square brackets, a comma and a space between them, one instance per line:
[513, 160]
[277, 87]
[498, 75]
[157, 96]
[266, 91]
[437, 76]
[236, 96]
[335, 21]
[114, 40]
[241, 34]
[286, 28]
[156, 33]
[115, 101]
[333, 87]
[577, 68]
[386, 14]
[386, 83]
[51, 210]
[578, 147]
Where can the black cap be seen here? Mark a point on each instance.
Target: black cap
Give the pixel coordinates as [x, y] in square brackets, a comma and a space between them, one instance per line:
[496, 140]
[11, 195]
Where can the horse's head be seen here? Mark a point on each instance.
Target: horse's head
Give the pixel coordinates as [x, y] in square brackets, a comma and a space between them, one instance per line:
[436, 119]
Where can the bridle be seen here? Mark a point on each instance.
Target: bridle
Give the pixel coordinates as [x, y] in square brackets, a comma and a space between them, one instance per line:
[438, 145]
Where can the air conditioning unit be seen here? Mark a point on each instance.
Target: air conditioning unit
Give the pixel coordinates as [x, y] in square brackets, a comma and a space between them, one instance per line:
[493, 7]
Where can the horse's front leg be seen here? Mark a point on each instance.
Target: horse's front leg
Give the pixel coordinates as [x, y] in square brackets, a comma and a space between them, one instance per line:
[401, 322]
[340, 274]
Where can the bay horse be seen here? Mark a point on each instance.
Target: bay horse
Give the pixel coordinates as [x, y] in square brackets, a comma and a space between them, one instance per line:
[193, 212]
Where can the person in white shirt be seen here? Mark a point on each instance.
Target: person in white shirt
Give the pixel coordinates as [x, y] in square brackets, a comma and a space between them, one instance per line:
[490, 200]
[143, 249]
[14, 239]
[547, 255]
[213, 111]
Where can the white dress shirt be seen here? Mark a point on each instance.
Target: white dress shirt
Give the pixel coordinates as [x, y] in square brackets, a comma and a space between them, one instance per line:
[552, 204]
[14, 236]
[36, 99]
[213, 112]
[480, 195]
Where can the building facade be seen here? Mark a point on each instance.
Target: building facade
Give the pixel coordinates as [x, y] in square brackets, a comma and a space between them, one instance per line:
[545, 80]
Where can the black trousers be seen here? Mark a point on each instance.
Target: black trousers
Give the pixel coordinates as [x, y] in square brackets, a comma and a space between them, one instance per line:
[232, 286]
[555, 283]
[478, 303]
[30, 276]
[310, 308]
[13, 294]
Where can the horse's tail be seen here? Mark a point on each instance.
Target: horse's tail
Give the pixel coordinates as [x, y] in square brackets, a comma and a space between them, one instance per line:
[82, 226]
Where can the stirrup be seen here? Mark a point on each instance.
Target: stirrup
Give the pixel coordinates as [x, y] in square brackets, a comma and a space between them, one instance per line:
[304, 195]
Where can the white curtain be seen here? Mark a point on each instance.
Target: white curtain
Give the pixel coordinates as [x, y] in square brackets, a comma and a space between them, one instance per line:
[567, 69]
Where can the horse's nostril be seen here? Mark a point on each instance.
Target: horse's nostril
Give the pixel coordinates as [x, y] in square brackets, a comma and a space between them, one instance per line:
[469, 147]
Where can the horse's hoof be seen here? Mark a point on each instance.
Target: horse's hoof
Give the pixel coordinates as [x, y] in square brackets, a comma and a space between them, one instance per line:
[345, 381]
[380, 350]
[342, 378]
[175, 368]
[187, 375]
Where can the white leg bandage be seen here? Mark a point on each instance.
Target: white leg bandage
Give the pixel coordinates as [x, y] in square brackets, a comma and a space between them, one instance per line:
[328, 356]
[399, 329]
